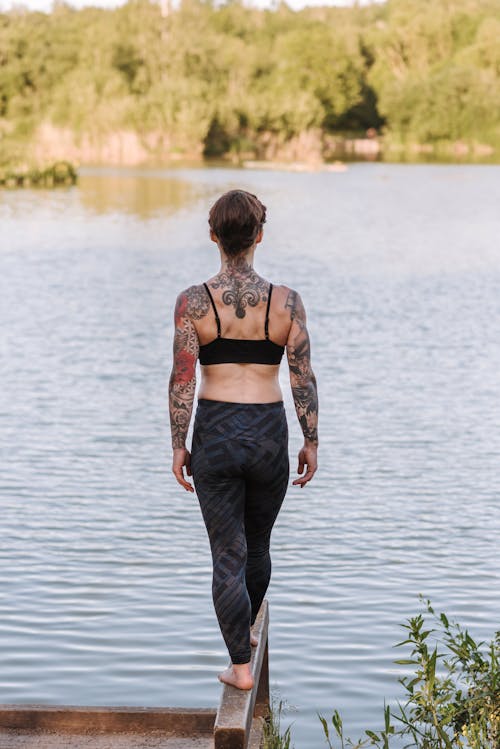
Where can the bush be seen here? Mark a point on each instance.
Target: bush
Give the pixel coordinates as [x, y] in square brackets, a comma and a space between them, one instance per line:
[452, 696]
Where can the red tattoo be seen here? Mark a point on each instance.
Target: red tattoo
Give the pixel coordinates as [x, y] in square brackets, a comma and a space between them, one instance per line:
[185, 364]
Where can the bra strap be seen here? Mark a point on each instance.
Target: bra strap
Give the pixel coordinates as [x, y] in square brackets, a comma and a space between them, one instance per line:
[266, 325]
[215, 309]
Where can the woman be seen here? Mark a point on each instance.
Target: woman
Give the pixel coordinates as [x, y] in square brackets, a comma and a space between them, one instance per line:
[238, 325]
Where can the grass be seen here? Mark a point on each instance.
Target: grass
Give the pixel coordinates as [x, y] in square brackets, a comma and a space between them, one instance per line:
[273, 736]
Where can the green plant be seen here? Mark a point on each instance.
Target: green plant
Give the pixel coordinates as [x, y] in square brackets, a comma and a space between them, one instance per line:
[273, 738]
[452, 696]
[380, 739]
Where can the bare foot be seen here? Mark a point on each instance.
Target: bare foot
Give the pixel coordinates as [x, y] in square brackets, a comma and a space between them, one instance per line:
[238, 675]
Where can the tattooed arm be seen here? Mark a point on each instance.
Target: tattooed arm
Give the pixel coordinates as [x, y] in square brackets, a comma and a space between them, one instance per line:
[303, 384]
[182, 383]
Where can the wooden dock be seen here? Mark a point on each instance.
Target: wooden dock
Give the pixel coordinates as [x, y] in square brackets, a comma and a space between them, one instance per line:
[237, 723]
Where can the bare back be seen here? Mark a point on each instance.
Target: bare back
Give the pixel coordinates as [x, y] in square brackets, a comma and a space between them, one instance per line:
[240, 301]
[241, 306]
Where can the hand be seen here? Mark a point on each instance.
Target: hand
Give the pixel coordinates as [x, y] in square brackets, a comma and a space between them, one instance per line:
[182, 457]
[308, 456]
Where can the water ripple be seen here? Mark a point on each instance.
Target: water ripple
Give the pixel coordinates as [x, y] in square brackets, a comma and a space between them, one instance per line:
[105, 575]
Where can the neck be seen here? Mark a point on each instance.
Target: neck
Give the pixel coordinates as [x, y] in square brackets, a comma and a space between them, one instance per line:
[240, 265]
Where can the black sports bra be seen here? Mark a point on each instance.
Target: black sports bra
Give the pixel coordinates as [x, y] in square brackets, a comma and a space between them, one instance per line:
[241, 350]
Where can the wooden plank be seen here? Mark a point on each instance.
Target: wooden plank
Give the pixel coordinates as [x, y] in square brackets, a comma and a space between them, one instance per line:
[237, 706]
[110, 719]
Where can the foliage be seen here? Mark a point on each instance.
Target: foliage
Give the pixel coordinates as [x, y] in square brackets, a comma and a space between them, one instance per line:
[215, 76]
[436, 69]
[60, 173]
[272, 736]
[452, 696]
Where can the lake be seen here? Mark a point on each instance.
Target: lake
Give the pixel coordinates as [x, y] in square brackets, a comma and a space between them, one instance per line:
[105, 568]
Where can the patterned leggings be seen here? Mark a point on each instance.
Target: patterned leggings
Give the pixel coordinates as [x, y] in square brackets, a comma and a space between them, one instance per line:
[240, 467]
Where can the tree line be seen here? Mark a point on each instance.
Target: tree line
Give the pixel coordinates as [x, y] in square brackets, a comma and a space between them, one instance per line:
[218, 77]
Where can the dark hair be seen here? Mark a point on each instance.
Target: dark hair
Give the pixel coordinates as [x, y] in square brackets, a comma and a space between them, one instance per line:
[236, 218]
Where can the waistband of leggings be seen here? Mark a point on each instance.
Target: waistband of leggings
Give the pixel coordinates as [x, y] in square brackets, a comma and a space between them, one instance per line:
[272, 406]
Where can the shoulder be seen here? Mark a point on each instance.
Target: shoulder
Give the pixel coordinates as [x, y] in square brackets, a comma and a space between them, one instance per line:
[192, 302]
[290, 300]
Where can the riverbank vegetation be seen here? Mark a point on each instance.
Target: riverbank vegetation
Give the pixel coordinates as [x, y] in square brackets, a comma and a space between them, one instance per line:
[61, 173]
[148, 81]
[452, 692]
[273, 737]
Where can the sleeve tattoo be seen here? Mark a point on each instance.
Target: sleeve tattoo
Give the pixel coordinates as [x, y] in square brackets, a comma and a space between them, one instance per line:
[182, 382]
[302, 379]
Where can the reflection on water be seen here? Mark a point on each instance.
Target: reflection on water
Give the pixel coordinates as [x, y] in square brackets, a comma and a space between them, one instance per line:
[105, 577]
[143, 194]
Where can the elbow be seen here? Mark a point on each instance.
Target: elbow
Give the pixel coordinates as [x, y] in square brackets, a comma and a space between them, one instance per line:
[178, 382]
[305, 381]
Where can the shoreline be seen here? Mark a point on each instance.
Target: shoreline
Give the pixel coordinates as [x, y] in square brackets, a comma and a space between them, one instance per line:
[310, 150]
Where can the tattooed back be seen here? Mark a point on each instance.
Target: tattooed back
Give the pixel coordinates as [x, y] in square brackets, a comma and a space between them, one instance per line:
[241, 305]
[241, 301]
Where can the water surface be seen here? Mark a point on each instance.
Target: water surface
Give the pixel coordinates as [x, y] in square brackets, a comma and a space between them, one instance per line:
[105, 575]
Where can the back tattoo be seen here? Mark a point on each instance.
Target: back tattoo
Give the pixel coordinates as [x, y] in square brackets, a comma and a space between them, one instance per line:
[241, 288]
